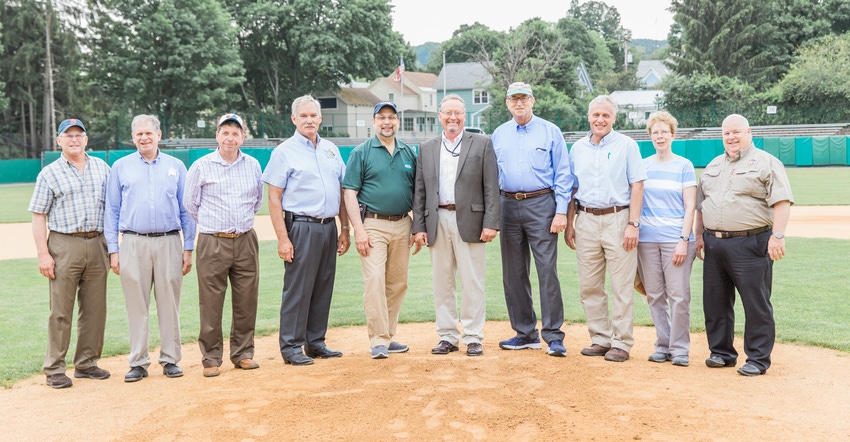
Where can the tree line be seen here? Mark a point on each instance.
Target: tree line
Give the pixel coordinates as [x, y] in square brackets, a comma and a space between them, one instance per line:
[106, 60]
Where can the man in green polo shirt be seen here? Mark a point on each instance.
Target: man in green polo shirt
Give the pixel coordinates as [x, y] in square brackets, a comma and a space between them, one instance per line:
[378, 193]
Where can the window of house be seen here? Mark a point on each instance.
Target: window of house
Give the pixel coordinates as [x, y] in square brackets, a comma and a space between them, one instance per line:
[432, 124]
[327, 129]
[408, 124]
[391, 98]
[420, 124]
[480, 96]
[328, 103]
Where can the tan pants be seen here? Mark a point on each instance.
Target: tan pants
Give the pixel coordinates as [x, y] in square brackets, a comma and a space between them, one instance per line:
[599, 245]
[452, 257]
[152, 263]
[385, 277]
[81, 268]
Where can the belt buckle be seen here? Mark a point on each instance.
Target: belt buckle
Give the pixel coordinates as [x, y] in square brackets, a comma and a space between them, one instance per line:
[718, 235]
[520, 196]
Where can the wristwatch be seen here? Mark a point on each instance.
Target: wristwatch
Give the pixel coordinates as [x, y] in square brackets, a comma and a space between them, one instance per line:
[778, 235]
[634, 223]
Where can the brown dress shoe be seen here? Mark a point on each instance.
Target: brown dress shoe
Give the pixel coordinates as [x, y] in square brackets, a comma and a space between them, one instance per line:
[93, 372]
[474, 349]
[247, 364]
[59, 381]
[617, 355]
[444, 348]
[211, 372]
[595, 350]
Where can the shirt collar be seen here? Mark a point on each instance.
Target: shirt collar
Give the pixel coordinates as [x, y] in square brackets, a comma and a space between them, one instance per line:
[217, 158]
[304, 141]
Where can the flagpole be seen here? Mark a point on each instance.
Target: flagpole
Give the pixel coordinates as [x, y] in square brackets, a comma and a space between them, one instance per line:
[401, 86]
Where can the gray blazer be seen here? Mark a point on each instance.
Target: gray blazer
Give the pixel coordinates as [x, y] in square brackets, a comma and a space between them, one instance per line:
[476, 187]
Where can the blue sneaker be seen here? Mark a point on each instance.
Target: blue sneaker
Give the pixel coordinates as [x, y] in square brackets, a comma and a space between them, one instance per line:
[556, 348]
[395, 347]
[517, 343]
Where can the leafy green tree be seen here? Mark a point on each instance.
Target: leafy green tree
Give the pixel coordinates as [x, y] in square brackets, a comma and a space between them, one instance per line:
[466, 43]
[294, 47]
[3, 100]
[734, 38]
[820, 73]
[598, 16]
[587, 45]
[173, 58]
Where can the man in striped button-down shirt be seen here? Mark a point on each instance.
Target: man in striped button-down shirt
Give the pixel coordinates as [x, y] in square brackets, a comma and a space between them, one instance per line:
[68, 200]
[223, 192]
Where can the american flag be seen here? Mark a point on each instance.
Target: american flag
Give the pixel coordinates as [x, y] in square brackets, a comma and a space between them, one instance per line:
[399, 70]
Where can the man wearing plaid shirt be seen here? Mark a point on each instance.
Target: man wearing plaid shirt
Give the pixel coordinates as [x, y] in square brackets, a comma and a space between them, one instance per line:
[68, 200]
[223, 192]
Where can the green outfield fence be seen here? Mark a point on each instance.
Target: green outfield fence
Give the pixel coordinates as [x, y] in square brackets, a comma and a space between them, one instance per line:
[792, 151]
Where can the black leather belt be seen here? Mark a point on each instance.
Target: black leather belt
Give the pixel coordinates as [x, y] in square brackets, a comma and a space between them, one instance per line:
[311, 219]
[152, 234]
[604, 211]
[738, 233]
[385, 217]
[447, 206]
[92, 234]
[519, 196]
[227, 235]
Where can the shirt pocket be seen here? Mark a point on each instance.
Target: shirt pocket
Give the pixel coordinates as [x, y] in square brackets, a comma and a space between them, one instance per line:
[711, 182]
[540, 158]
[748, 182]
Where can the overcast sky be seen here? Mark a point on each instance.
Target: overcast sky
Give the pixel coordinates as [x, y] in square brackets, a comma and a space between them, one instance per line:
[435, 20]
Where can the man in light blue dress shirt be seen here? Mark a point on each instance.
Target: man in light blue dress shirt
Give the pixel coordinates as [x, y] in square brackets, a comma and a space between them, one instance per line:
[535, 181]
[144, 201]
[223, 192]
[603, 228]
[304, 175]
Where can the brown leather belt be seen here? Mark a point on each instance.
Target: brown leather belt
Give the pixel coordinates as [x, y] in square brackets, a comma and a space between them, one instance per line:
[447, 206]
[311, 219]
[738, 233]
[152, 234]
[604, 211]
[385, 217]
[227, 235]
[519, 196]
[93, 234]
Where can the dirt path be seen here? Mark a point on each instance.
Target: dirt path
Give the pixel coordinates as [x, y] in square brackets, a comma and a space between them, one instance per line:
[503, 395]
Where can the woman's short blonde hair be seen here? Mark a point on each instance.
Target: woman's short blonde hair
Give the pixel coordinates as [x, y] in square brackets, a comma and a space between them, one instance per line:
[661, 117]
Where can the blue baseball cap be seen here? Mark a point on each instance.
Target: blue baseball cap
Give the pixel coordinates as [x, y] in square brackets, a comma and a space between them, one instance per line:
[231, 117]
[384, 104]
[67, 124]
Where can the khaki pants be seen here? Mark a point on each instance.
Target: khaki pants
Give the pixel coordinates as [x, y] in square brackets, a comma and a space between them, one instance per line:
[385, 277]
[599, 245]
[81, 268]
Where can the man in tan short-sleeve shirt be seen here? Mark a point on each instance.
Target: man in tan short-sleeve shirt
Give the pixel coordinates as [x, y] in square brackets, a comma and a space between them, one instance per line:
[743, 203]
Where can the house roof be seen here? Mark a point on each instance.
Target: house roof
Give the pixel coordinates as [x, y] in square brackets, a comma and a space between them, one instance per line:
[421, 79]
[470, 75]
[646, 67]
[396, 85]
[636, 98]
[357, 97]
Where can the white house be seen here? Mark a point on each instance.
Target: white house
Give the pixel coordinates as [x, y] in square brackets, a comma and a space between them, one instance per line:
[637, 106]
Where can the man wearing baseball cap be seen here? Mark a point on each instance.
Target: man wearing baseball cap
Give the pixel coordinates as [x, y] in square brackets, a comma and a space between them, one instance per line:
[378, 193]
[223, 192]
[535, 181]
[68, 201]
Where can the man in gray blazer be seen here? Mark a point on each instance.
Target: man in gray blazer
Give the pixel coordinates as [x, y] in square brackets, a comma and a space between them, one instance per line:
[456, 211]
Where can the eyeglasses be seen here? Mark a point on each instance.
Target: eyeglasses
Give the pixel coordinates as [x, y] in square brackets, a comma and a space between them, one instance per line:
[523, 99]
[452, 114]
[73, 136]
[661, 132]
[386, 118]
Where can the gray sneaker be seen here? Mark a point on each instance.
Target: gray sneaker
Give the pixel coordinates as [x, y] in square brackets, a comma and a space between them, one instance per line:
[380, 352]
[660, 357]
[681, 361]
[395, 347]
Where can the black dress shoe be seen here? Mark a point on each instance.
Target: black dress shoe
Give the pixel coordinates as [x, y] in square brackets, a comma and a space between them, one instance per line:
[298, 359]
[474, 349]
[444, 348]
[323, 353]
[135, 374]
[172, 370]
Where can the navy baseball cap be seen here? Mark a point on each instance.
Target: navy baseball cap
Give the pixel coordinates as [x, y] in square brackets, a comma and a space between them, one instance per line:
[67, 124]
[384, 104]
[231, 117]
